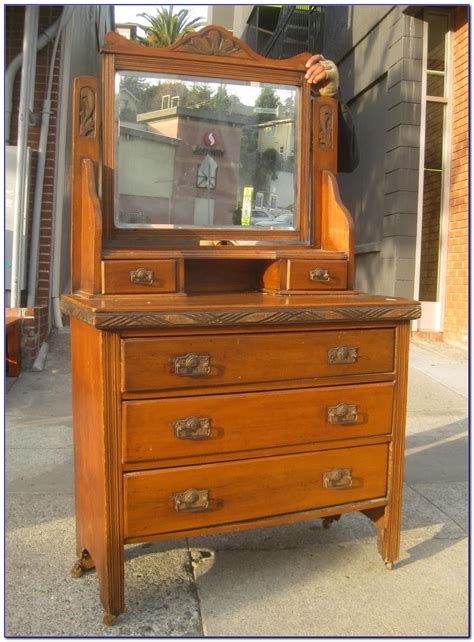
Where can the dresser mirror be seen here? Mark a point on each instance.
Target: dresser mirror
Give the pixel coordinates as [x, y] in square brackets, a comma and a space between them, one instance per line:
[202, 152]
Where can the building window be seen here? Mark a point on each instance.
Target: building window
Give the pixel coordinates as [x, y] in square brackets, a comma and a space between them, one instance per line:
[434, 109]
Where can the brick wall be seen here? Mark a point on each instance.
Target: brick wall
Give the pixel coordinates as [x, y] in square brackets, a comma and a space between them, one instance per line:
[456, 302]
[35, 320]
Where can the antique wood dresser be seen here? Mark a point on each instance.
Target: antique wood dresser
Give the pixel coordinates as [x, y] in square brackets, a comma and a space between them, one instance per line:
[225, 373]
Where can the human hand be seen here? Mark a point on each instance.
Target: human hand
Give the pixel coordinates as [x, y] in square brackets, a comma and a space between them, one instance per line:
[324, 74]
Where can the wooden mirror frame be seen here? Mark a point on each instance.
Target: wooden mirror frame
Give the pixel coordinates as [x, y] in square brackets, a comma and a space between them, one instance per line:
[221, 55]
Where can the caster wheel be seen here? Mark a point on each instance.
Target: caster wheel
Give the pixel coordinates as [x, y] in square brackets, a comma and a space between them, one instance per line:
[109, 619]
[327, 521]
[77, 570]
[389, 565]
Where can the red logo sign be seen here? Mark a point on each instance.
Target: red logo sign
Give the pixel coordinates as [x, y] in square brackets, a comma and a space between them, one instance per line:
[210, 139]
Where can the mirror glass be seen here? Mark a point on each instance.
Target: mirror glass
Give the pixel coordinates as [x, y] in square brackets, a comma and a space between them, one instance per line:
[204, 152]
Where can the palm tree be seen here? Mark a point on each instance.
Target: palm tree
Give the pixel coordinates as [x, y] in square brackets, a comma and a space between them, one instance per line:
[166, 27]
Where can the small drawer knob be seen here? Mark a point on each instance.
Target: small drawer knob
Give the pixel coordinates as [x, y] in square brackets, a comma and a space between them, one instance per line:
[193, 365]
[342, 354]
[320, 275]
[191, 501]
[343, 413]
[338, 479]
[195, 428]
[142, 276]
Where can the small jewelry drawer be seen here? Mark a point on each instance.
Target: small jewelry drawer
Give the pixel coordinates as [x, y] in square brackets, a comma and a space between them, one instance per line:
[197, 362]
[160, 429]
[317, 275]
[191, 497]
[139, 277]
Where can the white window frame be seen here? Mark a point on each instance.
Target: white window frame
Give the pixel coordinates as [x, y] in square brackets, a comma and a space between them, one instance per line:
[432, 312]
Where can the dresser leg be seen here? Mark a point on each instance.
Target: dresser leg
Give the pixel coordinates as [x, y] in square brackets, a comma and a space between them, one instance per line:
[84, 563]
[379, 517]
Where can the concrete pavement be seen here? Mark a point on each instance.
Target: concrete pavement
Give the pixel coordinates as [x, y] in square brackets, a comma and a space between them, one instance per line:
[290, 580]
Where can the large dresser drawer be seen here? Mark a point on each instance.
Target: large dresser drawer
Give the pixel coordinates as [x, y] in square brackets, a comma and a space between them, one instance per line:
[179, 499]
[192, 426]
[202, 361]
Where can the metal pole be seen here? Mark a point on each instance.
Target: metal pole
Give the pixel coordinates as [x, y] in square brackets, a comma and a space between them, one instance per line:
[29, 50]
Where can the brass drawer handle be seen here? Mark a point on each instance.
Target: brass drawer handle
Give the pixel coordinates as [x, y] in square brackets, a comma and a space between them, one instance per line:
[191, 501]
[342, 354]
[320, 275]
[193, 365]
[338, 479]
[142, 276]
[343, 413]
[193, 428]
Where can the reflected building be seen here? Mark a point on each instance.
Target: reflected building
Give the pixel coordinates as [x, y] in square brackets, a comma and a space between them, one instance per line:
[186, 167]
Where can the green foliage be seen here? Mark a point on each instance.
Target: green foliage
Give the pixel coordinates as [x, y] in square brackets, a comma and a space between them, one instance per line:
[268, 99]
[166, 27]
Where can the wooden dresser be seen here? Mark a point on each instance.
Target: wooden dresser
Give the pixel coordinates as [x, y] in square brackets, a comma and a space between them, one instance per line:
[223, 378]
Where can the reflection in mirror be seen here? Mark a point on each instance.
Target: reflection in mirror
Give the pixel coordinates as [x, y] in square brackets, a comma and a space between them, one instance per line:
[205, 152]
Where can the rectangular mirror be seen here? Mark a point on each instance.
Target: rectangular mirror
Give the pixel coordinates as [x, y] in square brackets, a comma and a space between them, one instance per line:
[205, 153]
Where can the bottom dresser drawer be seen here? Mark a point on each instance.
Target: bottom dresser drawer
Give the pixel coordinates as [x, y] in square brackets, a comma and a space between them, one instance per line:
[192, 497]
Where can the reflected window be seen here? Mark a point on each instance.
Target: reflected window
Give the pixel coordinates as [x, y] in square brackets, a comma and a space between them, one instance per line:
[205, 152]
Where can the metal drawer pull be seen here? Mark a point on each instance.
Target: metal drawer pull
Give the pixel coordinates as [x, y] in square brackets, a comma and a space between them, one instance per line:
[142, 276]
[191, 501]
[193, 428]
[342, 354]
[343, 413]
[193, 365]
[320, 274]
[338, 479]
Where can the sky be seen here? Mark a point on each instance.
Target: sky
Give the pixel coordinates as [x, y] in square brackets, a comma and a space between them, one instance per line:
[129, 12]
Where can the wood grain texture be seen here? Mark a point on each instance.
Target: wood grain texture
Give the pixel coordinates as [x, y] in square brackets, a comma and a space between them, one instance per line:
[91, 231]
[148, 364]
[244, 422]
[117, 277]
[250, 489]
[324, 158]
[98, 527]
[85, 144]
[337, 226]
[393, 515]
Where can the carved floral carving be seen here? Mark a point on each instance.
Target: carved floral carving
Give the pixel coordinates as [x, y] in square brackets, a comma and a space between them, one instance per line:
[325, 127]
[212, 43]
[87, 112]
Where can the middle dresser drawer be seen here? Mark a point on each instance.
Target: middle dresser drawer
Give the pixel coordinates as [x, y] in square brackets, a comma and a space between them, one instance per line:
[162, 429]
[200, 361]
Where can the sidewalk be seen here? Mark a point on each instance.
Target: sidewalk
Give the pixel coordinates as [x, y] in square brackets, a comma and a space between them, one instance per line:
[289, 580]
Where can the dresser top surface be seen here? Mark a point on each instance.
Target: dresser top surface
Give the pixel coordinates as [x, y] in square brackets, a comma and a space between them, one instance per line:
[122, 312]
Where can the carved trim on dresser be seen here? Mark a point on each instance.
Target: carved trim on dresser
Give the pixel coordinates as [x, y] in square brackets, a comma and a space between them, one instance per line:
[212, 43]
[87, 112]
[325, 127]
[113, 321]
